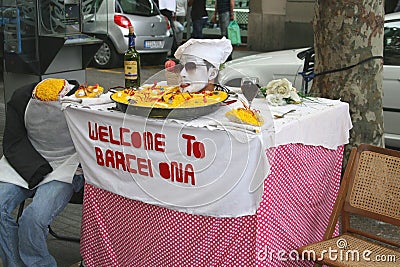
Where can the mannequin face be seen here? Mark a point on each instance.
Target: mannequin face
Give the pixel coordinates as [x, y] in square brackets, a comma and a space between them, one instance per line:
[195, 73]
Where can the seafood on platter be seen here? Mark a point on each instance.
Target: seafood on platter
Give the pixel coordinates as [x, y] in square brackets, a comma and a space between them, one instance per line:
[87, 91]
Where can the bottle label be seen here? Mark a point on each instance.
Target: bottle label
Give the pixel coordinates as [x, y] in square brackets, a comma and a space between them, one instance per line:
[131, 70]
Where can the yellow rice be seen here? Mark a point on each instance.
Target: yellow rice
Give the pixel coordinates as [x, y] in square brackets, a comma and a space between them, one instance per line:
[168, 97]
[48, 90]
[246, 116]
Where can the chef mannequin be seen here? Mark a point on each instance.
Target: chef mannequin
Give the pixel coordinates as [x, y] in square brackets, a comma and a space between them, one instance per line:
[200, 60]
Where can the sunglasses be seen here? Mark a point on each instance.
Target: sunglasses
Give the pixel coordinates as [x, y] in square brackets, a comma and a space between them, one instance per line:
[189, 67]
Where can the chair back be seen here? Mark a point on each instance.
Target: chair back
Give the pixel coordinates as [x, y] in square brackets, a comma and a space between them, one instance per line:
[370, 188]
[374, 186]
[308, 68]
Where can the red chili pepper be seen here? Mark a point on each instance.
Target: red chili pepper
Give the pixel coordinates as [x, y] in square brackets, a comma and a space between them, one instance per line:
[188, 98]
[245, 106]
[229, 102]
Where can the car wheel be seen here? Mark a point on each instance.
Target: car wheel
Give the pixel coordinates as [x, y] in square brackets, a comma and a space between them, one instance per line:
[106, 57]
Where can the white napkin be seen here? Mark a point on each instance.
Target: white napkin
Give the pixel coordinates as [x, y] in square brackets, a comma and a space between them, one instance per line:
[279, 110]
[234, 126]
[241, 132]
[89, 101]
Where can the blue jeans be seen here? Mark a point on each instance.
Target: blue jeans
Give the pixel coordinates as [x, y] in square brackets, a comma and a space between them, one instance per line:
[24, 244]
[198, 26]
[224, 19]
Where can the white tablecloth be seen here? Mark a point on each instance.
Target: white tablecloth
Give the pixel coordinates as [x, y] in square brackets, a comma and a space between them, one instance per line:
[200, 167]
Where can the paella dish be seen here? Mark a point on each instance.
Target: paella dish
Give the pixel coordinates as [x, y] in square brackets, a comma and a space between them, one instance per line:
[167, 97]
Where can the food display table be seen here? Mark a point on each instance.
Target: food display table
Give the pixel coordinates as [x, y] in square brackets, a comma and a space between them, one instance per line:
[127, 223]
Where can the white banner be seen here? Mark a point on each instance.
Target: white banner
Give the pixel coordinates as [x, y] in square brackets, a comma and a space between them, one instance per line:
[189, 169]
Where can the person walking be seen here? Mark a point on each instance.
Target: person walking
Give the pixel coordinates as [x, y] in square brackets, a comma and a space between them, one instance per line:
[167, 8]
[224, 12]
[397, 8]
[199, 17]
[181, 9]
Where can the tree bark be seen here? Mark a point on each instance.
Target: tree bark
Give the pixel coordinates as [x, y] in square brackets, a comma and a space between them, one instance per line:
[345, 34]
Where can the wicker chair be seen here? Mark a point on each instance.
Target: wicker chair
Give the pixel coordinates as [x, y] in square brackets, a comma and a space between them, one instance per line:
[370, 188]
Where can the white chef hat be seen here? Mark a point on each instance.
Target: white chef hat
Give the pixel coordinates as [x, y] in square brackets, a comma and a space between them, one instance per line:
[215, 51]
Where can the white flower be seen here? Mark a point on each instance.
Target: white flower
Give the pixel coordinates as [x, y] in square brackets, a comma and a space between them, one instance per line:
[275, 99]
[294, 96]
[280, 86]
[280, 92]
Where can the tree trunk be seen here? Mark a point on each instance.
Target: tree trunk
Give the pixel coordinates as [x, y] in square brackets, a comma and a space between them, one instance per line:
[345, 34]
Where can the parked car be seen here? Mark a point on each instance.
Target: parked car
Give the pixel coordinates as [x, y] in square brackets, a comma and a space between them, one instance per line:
[289, 63]
[110, 22]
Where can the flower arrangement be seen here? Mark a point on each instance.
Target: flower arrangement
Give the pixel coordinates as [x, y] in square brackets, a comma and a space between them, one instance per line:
[280, 92]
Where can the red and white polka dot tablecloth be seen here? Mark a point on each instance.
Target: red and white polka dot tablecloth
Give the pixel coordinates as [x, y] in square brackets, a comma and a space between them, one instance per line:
[298, 198]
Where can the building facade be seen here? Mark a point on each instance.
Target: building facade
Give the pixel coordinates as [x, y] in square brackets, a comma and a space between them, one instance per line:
[280, 24]
[283, 24]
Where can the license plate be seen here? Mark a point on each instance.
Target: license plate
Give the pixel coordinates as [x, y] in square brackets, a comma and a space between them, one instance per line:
[153, 44]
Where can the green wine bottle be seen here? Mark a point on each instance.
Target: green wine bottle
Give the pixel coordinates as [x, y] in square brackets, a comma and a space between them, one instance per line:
[132, 63]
